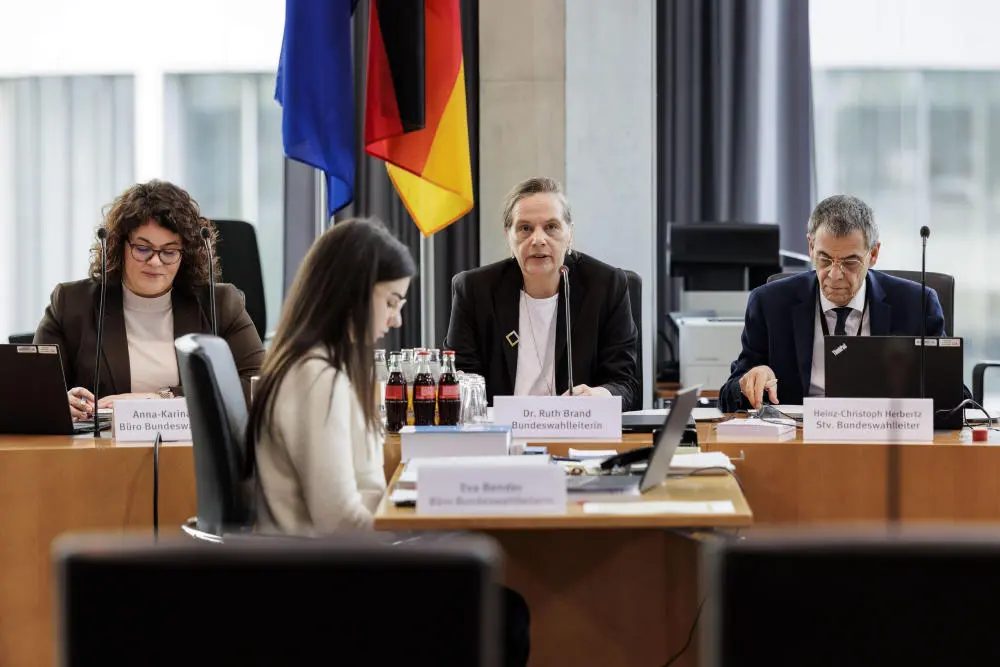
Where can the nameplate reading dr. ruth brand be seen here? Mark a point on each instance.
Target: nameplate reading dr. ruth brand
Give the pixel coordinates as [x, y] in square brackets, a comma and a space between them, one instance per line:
[874, 420]
[581, 417]
[471, 488]
[140, 420]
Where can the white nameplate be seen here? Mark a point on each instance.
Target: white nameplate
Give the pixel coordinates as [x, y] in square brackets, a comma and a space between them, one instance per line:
[874, 420]
[140, 420]
[471, 487]
[577, 417]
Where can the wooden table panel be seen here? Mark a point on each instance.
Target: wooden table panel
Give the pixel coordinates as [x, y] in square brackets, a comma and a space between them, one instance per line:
[53, 485]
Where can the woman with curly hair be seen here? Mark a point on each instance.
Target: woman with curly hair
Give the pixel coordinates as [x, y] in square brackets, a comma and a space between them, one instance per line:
[158, 280]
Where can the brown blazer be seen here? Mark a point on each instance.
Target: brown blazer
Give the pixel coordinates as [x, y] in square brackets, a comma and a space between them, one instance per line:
[70, 322]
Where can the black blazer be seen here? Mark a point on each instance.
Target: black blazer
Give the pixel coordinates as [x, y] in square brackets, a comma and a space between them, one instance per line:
[70, 321]
[485, 308]
[781, 320]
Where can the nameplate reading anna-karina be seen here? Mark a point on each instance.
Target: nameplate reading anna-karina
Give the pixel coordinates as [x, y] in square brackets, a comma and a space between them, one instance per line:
[468, 487]
[580, 417]
[874, 420]
[140, 420]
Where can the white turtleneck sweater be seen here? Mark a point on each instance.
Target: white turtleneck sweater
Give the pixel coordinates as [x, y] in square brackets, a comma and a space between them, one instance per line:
[149, 328]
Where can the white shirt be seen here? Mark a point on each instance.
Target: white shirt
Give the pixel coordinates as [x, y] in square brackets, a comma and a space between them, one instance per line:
[149, 329]
[536, 346]
[319, 467]
[817, 383]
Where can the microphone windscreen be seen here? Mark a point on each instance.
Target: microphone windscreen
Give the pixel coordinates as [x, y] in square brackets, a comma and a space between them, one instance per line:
[205, 233]
[102, 233]
[925, 231]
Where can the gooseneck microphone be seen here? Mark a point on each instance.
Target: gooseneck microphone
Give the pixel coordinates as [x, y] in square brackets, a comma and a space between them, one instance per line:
[102, 236]
[924, 233]
[564, 270]
[206, 236]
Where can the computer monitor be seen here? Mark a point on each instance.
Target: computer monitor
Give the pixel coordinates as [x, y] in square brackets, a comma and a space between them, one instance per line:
[271, 601]
[723, 256]
[889, 367]
[865, 600]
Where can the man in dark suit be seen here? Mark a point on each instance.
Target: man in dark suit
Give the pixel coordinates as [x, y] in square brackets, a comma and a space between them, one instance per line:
[787, 319]
[508, 319]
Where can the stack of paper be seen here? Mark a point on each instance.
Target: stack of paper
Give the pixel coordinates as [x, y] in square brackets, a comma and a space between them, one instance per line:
[756, 429]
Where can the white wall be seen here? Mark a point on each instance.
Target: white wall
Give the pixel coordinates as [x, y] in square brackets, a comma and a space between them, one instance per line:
[142, 39]
[911, 34]
[610, 143]
[127, 36]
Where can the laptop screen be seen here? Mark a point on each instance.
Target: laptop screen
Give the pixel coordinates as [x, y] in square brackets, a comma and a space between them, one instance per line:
[670, 438]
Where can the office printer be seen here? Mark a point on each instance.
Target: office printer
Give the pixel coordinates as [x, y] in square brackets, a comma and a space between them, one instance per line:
[708, 347]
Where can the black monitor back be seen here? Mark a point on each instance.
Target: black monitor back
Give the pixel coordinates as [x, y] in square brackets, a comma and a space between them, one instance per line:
[33, 391]
[276, 602]
[889, 367]
[836, 600]
[731, 256]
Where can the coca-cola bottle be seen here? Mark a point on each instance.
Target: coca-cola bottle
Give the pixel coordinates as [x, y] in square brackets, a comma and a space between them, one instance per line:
[395, 396]
[449, 395]
[424, 392]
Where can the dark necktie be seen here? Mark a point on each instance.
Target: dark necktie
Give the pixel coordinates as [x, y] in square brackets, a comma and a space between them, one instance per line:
[840, 329]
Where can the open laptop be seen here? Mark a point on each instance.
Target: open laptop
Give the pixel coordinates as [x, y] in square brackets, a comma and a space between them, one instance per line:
[667, 442]
[33, 393]
[889, 367]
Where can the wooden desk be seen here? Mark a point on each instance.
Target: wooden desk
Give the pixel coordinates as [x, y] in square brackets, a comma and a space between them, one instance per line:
[795, 482]
[603, 590]
[55, 484]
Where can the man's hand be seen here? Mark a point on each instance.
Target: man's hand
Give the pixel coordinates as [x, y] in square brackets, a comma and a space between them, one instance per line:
[755, 382]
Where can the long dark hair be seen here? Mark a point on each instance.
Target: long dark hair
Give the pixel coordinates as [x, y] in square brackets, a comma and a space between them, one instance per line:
[330, 306]
[172, 208]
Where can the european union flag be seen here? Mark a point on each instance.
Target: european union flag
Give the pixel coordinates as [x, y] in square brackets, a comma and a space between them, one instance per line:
[316, 92]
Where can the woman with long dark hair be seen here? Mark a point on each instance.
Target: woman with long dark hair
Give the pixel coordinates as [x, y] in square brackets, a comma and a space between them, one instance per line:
[314, 420]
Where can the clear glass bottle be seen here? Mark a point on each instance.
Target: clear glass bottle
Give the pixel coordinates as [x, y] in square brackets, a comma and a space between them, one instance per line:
[408, 366]
[381, 376]
[435, 361]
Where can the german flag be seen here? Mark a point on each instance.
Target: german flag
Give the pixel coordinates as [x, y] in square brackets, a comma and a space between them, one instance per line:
[415, 107]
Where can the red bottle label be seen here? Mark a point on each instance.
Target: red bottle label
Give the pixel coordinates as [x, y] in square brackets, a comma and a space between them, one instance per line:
[394, 393]
[424, 392]
[449, 392]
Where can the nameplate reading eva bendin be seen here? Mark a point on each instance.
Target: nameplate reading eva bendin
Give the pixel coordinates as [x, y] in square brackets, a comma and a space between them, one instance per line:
[468, 486]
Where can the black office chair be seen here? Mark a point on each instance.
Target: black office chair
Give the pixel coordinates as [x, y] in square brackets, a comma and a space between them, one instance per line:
[942, 283]
[223, 464]
[254, 601]
[239, 259]
[21, 338]
[635, 302]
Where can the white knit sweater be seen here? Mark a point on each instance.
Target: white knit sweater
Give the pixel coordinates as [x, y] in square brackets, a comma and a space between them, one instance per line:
[321, 472]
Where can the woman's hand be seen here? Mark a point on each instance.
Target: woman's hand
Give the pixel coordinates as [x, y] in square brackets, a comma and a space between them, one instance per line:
[586, 390]
[81, 403]
[108, 401]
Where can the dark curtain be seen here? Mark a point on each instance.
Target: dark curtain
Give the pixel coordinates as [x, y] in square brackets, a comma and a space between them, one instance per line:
[456, 248]
[734, 120]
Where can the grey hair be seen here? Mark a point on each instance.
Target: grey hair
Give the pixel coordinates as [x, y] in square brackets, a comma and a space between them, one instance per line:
[842, 214]
[534, 186]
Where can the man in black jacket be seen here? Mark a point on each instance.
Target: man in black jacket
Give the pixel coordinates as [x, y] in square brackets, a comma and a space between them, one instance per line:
[508, 318]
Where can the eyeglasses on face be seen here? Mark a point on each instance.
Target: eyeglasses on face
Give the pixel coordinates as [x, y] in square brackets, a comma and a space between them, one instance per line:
[144, 253]
[847, 265]
[396, 306]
